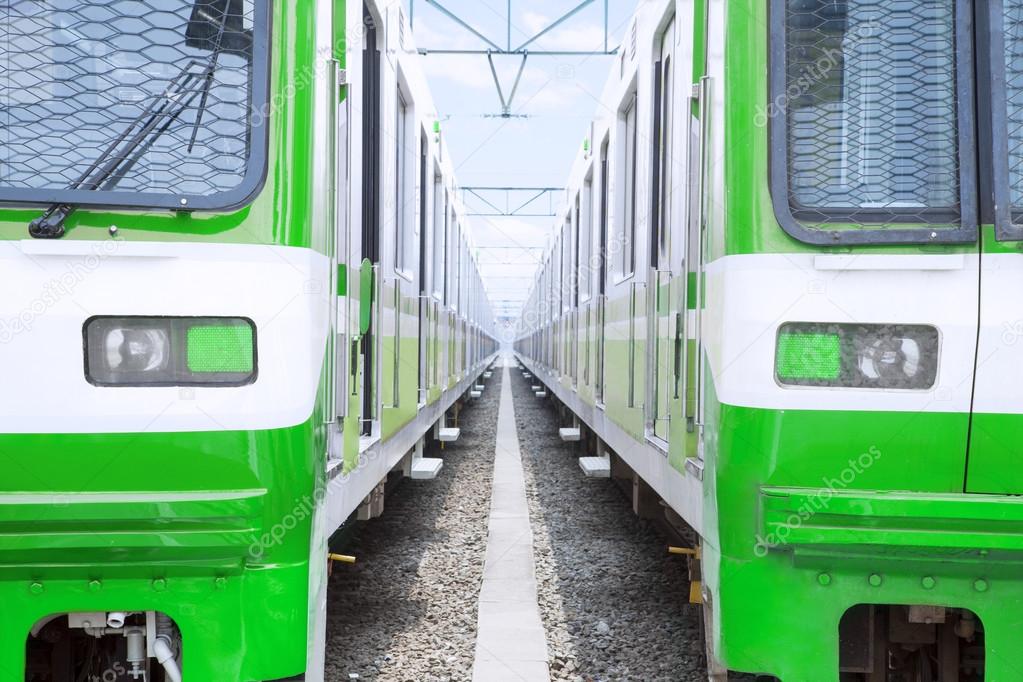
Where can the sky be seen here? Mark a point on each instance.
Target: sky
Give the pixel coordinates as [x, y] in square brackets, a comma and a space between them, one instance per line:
[557, 98]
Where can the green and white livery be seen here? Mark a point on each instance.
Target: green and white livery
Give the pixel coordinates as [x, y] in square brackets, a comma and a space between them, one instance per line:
[223, 227]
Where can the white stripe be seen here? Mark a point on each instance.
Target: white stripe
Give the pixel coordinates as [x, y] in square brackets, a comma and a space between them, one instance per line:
[49, 293]
[749, 297]
[1000, 351]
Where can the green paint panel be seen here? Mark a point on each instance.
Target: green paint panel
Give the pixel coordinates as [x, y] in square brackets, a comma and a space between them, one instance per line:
[996, 454]
[803, 517]
[236, 505]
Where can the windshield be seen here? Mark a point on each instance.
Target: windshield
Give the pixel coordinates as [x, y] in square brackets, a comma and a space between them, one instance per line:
[77, 78]
[865, 105]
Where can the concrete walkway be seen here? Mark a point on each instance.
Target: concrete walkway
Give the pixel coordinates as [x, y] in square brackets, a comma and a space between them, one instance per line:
[510, 642]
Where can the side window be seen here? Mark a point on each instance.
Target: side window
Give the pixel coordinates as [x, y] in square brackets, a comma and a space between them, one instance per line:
[576, 250]
[402, 196]
[567, 264]
[584, 212]
[626, 228]
[664, 153]
[440, 230]
[604, 222]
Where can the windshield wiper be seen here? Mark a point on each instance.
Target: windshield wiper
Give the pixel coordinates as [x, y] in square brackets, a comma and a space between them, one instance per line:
[131, 145]
[211, 69]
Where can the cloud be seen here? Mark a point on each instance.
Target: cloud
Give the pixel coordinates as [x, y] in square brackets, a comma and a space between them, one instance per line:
[465, 71]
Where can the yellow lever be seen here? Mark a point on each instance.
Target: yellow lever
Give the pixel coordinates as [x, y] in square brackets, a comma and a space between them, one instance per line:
[343, 558]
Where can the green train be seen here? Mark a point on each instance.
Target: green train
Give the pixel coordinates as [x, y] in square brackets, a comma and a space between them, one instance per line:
[239, 294]
[783, 295]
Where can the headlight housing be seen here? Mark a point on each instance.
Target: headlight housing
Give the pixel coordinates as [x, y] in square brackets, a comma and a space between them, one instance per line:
[170, 351]
[894, 357]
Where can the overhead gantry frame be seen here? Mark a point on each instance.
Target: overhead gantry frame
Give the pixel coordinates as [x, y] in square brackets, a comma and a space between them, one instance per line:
[494, 48]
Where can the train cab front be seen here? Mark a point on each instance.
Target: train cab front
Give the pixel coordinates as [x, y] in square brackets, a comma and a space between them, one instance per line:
[864, 412]
[163, 330]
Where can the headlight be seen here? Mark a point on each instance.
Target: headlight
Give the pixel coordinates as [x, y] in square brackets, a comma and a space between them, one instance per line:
[857, 355]
[170, 351]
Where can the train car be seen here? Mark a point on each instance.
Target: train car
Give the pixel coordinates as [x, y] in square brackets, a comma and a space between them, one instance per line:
[239, 293]
[782, 294]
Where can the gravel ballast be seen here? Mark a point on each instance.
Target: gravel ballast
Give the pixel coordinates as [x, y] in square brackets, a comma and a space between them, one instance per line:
[614, 603]
[408, 609]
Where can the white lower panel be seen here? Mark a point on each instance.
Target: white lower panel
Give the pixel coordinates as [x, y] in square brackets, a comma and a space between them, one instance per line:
[50, 289]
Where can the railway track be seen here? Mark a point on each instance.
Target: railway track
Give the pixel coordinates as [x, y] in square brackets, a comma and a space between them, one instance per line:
[614, 604]
[407, 609]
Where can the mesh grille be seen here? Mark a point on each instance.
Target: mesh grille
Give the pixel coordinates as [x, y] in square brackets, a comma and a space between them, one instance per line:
[1014, 97]
[75, 75]
[872, 120]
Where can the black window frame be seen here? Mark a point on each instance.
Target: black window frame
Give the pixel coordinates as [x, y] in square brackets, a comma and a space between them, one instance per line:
[255, 172]
[873, 233]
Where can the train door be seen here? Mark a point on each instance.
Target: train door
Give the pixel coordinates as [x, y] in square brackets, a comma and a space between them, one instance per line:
[399, 272]
[585, 232]
[370, 208]
[424, 292]
[576, 274]
[601, 269]
[661, 366]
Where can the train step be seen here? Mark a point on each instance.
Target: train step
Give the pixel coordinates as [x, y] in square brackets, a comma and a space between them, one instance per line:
[570, 435]
[426, 468]
[448, 434]
[596, 467]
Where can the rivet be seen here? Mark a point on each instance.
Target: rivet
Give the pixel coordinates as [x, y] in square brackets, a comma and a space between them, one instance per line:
[95, 585]
[984, 552]
[113, 230]
[824, 579]
[928, 582]
[980, 585]
[36, 588]
[220, 583]
[184, 202]
[159, 584]
[875, 580]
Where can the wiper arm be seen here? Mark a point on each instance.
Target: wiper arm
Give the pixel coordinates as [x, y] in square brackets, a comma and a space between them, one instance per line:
[218, 46]
[125, 151]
